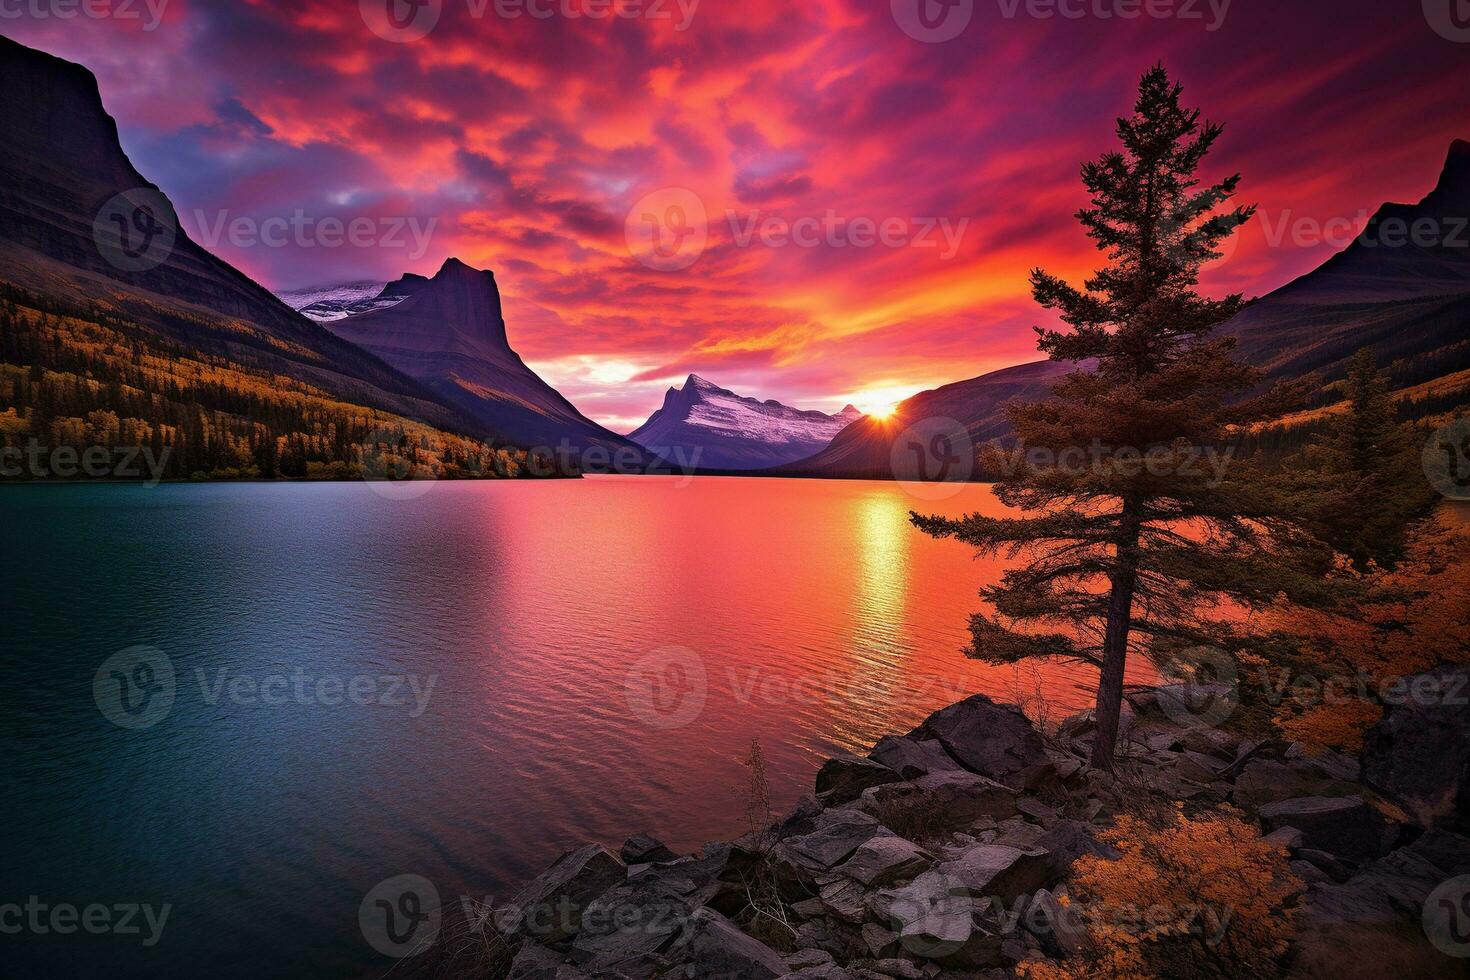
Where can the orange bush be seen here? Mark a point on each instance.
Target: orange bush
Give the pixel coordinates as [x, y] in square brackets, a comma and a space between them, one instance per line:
[1198, 896]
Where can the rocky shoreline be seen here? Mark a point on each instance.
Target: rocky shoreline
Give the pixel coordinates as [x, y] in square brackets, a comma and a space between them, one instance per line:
[947, 852]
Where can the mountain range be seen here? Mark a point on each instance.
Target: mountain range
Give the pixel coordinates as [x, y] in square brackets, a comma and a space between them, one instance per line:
[64, 180]
[1407, 300]
[115, 325]
[448, 333]
[715, 429]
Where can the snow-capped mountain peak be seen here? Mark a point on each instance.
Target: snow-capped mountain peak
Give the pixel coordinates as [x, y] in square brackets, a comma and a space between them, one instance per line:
[733, 431]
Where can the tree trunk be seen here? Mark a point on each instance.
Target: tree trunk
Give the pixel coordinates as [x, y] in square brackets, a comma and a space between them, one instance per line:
[1115, 641]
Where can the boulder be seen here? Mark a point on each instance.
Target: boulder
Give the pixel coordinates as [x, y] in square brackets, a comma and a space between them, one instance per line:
[884, 860]
[991, 740]
[1419, 753]
[1262, 781]
[807, 958]
[1344, 826]
[1391, 889]
[945, 801]
[1326, 863]
[551, 907]
[1061, 930]
[1065, 842]
[835, 834]
[843, 779]
[997, 871]
[881, 942]
[713, 946]
[1288, 838]
[637, 918]
[843, 898]
[644, 849]
[912, 758]
[933, 915]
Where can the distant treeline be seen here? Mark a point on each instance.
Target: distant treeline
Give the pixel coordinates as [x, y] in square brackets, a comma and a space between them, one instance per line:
[85, 377]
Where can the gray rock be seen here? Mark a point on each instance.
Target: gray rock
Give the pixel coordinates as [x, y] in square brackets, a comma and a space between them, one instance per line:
[644, 849]
[884, 860]
[1263, 781]
[1326, 863]
[1220, 745]
[948, 800]
[1344, 826]
[912, 758]
[1036, 810]
[827, 971]
[806, 958]
[1419, 754]
[902, 969]
[844, 898]
[1394, 887]
[1020, 834]
[991, 740]
[551, 907]
[997, 871]
[1067, 841]
[1326, 763]
[843, 779]
[809, 908]
[1287, 837]
[822, 934]
[639, 917]
[933, 915]
[1061, 931]
[1309, 872]
[882, 942]
[712, 946]
[835, 835]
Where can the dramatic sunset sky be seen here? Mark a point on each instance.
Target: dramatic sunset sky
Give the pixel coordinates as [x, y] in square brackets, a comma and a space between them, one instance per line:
[528, 140]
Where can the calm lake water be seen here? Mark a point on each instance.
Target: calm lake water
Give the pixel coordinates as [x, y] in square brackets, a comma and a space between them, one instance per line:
[460, 686]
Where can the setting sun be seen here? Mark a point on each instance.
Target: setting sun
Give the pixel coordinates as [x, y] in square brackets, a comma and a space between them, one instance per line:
[880, 403]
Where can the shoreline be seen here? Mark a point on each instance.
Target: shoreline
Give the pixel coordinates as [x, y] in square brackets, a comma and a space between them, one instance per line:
[950, 851]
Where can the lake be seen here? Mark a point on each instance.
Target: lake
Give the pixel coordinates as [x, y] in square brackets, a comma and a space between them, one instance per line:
[457, 680]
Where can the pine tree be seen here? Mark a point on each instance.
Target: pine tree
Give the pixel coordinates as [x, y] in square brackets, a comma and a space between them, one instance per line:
[1131, 533]
[1362, 483]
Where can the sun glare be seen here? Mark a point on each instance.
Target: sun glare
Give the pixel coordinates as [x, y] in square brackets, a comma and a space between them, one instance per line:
[880, 403]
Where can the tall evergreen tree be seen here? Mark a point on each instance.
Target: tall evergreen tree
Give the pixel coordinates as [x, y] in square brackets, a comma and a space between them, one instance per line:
[1363, 483]
[1135, 533]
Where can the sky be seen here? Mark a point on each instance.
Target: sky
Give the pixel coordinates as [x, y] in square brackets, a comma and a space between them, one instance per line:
[822, 202]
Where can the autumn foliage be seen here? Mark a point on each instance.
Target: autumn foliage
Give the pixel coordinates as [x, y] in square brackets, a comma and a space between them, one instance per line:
[1332, 684]
[1188, 896]
[88, 377]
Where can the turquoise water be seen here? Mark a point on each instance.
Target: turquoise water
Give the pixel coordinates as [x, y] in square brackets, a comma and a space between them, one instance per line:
[460, 686]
